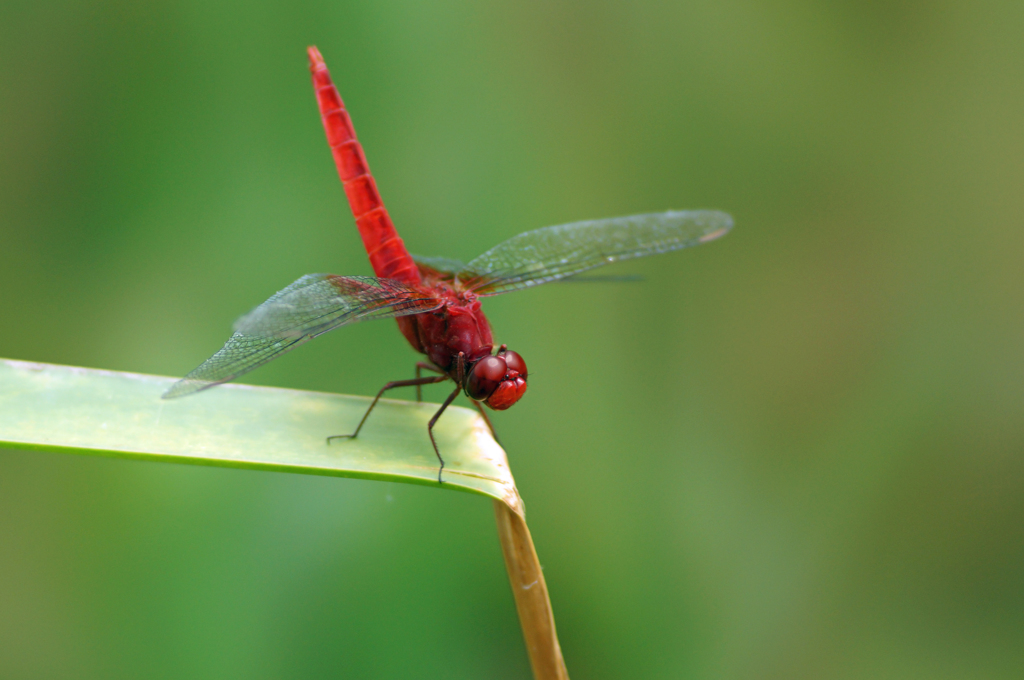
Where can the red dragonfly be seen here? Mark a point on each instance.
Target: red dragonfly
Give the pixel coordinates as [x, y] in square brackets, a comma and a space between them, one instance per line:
[435, 301]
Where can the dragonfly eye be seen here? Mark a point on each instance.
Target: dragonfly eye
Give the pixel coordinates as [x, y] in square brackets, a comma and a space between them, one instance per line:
[485, 376]
[514, 362]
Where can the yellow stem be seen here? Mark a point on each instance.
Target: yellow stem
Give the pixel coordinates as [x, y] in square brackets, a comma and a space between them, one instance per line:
[531, 595]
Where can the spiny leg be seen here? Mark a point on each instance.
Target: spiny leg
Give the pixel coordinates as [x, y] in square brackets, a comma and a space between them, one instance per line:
[391, 385]
[430, 429]
[460, 373]
[422, 366]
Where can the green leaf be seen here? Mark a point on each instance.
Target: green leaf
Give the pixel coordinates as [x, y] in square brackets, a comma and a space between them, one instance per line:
[106, 413]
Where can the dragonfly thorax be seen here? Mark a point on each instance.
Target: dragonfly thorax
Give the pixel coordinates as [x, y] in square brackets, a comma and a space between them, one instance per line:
[457, 327]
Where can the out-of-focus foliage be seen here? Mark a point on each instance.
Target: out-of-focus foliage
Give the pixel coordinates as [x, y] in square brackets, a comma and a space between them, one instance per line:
[831, 395]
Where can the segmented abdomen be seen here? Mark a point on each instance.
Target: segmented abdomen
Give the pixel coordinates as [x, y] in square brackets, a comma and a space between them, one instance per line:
[387, 253]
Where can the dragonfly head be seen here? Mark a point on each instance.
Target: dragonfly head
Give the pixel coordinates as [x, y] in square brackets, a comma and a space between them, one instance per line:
[498, 380]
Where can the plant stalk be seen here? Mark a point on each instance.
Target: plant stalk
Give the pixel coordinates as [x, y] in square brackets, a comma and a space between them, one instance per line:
[531, 595]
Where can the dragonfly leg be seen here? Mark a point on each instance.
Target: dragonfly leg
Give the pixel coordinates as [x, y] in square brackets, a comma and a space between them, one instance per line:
[480, 407]
[422, 366]
[391, 385]
[451, 397]
[430, 428]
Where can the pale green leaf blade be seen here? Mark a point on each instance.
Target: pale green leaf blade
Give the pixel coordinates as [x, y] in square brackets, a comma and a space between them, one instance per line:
[95, 412]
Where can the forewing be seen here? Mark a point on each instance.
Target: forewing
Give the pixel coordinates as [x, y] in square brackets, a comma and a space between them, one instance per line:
[314, 304]
[553, 253]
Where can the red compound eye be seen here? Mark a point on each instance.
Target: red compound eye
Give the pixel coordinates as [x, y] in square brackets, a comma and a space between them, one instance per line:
[514, 362]
[485, 376]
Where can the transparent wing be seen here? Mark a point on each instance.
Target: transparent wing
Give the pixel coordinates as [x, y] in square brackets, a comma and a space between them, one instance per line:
[438, 267]
[314, 304]
[598, 278]
[553, 253]
[446, 270]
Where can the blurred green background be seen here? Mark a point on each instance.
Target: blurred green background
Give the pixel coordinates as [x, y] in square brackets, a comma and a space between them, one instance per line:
[797, 452]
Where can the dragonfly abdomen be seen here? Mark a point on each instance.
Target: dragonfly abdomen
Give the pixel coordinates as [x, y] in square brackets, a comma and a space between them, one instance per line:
[387, 253]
